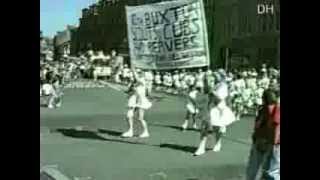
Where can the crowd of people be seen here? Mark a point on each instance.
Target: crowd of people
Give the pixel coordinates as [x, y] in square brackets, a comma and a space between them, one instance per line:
[214, 98]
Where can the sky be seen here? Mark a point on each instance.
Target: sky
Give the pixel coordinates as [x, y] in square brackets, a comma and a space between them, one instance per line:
[55, 15]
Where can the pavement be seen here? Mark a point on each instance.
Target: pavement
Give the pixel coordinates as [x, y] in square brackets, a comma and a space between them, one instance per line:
[81, 140]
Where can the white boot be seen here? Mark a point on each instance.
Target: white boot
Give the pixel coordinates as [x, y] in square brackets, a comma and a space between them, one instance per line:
[145, 132]
[50, 106]
[127, 134]
[185, 125]
[217, 146]
[194, 126]
[202, 147]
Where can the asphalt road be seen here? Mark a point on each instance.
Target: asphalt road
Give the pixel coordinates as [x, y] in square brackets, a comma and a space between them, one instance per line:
[82, 140]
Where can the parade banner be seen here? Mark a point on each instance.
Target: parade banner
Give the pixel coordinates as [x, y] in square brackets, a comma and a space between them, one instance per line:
[168, 35]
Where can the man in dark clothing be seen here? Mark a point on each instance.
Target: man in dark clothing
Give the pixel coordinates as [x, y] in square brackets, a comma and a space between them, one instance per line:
[265, 150]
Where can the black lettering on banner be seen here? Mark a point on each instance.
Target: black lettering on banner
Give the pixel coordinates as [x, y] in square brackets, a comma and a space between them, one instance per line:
[186, 43]
[196, 26]
[192, 7]
[179, 13]
[139, 46]
[157, 34]
[176, 28]
[168, 45]
[133, 19]
[163, 17]
[186, 27]
[147, 19]
[178, 44]
[155, 18]
[166, 30]
[134, 34]
[194, 41]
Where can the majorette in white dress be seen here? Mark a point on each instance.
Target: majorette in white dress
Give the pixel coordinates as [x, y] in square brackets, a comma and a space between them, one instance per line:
[138, 99]
[221, 115]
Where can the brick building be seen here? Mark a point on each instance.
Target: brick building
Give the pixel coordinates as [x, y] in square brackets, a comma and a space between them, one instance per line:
[62, 41]
[237, 34]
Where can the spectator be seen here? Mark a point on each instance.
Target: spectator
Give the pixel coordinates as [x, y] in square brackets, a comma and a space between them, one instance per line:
[265, 150]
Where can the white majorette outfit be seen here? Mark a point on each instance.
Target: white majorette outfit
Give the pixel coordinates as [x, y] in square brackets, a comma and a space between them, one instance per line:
[176, 82]
[149, 82]
[220, 117]
[199, 80]
[138, 99]
[192, 109]
[138, 102]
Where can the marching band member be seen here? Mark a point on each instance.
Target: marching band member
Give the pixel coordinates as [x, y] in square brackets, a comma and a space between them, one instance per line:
[149, 82]
[126, 74]
[157, 80]
[238, 87]
[137, 103]
[168, 82]
[55, 99]
[199, 80]
[191, 107]
[220, 117]
[176, 82]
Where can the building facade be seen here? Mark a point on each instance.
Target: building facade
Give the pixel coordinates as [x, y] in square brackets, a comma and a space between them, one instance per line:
[63, 41]
[237, 35]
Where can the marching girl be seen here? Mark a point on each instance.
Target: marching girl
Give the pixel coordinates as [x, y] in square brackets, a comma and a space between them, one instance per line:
[157, 80]
[183, 82]
[199, 80]
[149, 82]
[55, 100]
[238, 86]
[176, 82]
[192, 108]
[138, 103]
[220, 116]
[168, 82]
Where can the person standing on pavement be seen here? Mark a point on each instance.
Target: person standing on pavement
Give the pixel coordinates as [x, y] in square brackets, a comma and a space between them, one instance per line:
[137, 103]
[220, 116]
[265, 151]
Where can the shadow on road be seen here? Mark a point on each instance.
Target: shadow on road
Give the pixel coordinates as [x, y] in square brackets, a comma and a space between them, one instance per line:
[188, 149]
[236, 140]
[167, 126]
[85, 134]
[174, 127]
[109, 132]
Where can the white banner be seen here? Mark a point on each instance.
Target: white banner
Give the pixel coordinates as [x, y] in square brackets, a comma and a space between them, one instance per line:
[168, 35]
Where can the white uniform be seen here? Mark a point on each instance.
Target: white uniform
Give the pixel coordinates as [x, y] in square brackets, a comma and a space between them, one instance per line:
[191, 80]
[126, 72]
[158, 79]
[149, 81]
[176, 81]
[264, 82]
[138, 99]
[47, 89]
[221, 115]
[190, 106]
[199, 80]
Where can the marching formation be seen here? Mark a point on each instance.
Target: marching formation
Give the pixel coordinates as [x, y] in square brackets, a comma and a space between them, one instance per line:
[214, 99]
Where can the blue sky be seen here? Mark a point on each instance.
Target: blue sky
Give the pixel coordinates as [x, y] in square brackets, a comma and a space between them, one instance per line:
[56, 14]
